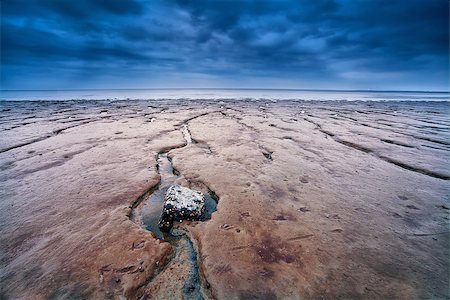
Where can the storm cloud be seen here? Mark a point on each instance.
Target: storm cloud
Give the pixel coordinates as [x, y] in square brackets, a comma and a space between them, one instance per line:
[335, 44]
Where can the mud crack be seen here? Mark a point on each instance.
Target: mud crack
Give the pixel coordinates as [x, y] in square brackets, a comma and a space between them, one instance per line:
[382, 157]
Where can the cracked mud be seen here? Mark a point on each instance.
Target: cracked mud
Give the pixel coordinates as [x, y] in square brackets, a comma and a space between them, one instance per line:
[317, 200]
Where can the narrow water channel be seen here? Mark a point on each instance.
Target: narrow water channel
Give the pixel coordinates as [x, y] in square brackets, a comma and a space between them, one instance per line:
[150, 212]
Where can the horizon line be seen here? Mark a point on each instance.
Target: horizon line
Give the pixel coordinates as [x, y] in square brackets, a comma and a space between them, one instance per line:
[220, 88]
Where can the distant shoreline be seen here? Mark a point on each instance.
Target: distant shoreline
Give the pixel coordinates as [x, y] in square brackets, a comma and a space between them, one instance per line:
[229, 89]
[222, 94]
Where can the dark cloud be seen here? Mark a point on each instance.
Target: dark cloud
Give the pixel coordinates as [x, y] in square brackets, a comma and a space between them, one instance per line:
[69, 9]
[303, 44]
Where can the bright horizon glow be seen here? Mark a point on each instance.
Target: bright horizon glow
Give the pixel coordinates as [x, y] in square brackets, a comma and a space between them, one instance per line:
[218, 88]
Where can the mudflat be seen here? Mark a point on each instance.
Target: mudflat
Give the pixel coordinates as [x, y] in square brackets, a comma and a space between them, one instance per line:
[314, 199]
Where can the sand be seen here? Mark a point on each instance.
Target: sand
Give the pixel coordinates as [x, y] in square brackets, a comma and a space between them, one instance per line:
[315, 199]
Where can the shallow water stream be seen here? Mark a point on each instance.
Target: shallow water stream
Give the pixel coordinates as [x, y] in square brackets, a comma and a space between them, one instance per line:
[149, 211]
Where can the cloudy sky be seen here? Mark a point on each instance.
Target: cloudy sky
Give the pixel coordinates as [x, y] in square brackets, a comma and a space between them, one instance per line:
[327, 44]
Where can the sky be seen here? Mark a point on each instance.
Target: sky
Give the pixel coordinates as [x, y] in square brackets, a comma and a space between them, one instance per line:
[303, 44]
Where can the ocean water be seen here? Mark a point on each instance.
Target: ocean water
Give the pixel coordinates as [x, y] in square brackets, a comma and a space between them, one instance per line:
[221, 94]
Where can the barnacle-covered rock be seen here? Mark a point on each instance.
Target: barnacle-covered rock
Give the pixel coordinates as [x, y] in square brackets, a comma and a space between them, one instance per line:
[181, 203]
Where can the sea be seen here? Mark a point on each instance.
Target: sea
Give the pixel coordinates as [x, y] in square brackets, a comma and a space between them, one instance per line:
[222, 95]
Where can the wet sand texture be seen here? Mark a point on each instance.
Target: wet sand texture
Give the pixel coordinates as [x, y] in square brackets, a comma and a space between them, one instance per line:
[315, 199]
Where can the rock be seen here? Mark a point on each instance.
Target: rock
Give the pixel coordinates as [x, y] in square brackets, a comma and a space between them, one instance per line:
[180, 204]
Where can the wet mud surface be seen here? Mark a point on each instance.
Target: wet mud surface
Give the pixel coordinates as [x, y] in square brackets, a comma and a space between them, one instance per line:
[307, 199]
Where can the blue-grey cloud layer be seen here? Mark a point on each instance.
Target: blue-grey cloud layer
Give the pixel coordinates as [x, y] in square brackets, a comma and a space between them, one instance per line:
[380, 44]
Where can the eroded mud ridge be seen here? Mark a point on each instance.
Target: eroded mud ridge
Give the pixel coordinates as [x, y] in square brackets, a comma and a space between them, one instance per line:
[311, 194]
